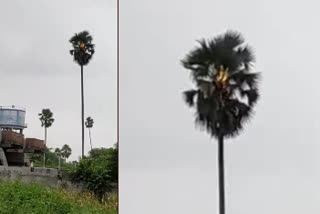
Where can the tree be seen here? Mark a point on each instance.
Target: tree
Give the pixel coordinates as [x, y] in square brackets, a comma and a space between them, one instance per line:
[226, 90]
[46, 118]
[66, 151]
[54, 158]
[82, 53]
[107, 157]
[89, 125]
[97, 171]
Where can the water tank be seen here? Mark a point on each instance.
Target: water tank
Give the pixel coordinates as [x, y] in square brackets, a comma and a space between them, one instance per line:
[12, 117]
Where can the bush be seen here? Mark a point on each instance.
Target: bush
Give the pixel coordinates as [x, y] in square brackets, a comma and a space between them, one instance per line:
[97, 171]
[95, 178]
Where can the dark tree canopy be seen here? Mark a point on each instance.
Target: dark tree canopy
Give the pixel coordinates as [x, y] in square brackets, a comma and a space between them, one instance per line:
[83, 49]
[46, 118]
[66, 151]
[226, 89]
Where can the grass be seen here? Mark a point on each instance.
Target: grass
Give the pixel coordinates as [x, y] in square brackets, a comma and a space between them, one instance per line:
[18, 198]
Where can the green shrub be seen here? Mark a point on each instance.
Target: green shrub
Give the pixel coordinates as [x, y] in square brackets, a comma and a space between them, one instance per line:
[17, 198]
[97, 171]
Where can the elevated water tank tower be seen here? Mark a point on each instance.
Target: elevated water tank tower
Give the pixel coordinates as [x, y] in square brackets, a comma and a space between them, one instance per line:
[13, 118]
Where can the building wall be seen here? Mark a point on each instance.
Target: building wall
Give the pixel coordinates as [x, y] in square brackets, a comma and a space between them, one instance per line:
[47, 177]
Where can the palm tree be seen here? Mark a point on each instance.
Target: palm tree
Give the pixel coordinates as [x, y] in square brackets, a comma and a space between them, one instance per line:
[66, 151]
[46, 118]
[225, 90]
[82, 53]
[89, 124]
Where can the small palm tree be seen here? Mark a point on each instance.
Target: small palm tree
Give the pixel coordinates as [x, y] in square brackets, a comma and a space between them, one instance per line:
[46, 118]
[226, 90]
[89, 125]
[82, 53]
[66, 151]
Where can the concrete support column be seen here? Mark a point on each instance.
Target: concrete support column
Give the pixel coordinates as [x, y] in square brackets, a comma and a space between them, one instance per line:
[3, 157]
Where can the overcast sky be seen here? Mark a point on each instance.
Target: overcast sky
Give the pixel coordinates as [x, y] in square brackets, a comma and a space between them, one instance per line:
[37, 70]
[166, 165]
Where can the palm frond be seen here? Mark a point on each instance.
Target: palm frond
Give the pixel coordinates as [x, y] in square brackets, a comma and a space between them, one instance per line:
[46, 118]
[230, 40]
[189, 97]
[205, 86]
[245, 55]
[252, 95]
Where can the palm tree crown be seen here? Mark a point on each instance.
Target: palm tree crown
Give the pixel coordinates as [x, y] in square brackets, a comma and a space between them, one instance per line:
[89, 122]
[46, 118]
[83, 49]
[226, 89]
[65, 151]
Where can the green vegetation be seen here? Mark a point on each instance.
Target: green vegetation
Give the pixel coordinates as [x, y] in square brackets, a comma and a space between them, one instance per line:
[63, 153]
[17, 198]
[52, 158]
[97, 171]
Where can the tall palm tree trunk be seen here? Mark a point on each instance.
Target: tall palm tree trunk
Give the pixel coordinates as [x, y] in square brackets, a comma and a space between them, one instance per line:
[45, 147]
[90, 138]
[221, 175]
[82, 111]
